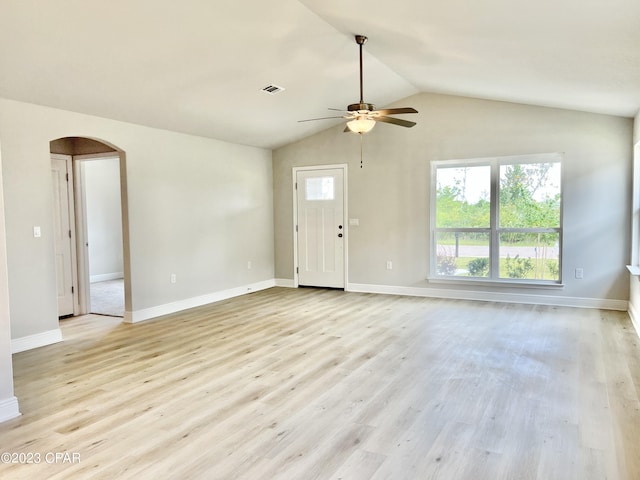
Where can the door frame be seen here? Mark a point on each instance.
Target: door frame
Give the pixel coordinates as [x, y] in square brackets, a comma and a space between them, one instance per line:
[82, 244]
[345, 197]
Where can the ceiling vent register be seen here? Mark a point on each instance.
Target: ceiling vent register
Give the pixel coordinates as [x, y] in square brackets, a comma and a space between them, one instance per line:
[272, 89]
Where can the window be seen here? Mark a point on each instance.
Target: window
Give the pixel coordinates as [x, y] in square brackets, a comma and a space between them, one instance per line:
[497, 219]
[319, 188]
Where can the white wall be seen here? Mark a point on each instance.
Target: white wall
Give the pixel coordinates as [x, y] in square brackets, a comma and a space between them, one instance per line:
[390, 195]
[197, 207]
[104, 218]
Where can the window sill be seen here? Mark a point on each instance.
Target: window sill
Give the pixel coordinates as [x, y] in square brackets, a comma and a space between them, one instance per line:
[634, 270]
[496, 283]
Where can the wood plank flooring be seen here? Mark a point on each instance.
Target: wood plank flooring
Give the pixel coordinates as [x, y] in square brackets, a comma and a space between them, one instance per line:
[323, 384]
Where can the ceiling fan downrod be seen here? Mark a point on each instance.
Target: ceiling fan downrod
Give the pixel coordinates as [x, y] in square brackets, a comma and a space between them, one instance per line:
[354, 107]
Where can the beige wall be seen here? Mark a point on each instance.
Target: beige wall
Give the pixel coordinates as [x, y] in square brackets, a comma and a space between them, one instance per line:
[390, 195]
[199, 208]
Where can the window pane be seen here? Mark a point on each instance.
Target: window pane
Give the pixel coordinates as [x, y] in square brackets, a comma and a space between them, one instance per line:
[530, 195]
[530, 256]
[463, 197]
[463, 254]
[319, 188]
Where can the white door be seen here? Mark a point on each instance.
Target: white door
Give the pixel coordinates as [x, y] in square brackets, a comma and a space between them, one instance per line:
[62, 209]
[320, 227]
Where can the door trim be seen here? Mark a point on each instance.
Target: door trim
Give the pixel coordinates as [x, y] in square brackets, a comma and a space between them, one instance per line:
[81, 238]
[345, 213]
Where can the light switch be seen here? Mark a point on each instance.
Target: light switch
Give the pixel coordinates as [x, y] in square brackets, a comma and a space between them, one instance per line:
[354, 222]
[37, 233]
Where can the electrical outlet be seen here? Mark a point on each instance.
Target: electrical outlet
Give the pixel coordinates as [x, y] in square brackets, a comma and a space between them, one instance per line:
[173, 278]
[579, 273]
[249, 265]
[389, 265]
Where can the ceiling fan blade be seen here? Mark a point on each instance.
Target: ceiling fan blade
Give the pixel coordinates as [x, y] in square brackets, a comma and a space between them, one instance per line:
[338, 109]
[395, 121]
[314, 119]
[395, 111]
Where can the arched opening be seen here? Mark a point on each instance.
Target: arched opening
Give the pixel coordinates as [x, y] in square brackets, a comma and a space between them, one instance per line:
[91, 227]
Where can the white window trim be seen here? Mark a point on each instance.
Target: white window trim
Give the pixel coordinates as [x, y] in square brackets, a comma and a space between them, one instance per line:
[493, 230]
[634, 267]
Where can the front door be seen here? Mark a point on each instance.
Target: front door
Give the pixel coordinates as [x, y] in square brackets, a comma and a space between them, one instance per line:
[321, 227]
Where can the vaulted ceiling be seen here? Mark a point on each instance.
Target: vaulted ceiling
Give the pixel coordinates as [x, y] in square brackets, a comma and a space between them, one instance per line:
[199, 66]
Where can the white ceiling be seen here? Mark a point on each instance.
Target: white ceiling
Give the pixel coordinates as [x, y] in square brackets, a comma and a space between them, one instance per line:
[198, 66]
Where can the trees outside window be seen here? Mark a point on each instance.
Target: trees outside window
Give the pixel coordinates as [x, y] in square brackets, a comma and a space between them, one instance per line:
[498, 219]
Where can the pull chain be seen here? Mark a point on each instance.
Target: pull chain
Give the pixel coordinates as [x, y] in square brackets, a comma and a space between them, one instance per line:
[361, 140]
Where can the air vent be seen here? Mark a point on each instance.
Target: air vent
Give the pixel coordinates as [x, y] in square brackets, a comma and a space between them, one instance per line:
[272, 89]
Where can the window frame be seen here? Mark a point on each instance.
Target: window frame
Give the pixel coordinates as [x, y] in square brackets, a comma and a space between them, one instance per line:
[494, 230]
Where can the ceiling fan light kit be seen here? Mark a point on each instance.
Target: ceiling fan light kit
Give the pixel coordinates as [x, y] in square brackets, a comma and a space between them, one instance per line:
[361, 125]
[361, 117]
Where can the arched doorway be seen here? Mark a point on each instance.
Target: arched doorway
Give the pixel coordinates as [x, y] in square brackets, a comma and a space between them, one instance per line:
[92, 244]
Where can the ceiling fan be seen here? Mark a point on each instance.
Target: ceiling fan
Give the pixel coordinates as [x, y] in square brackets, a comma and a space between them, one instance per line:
[362, 116]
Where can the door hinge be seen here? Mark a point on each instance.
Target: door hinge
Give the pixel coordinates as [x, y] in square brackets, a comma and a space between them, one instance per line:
[296, 228]
[73, 289]
[67, 177]
[296, 185]
[69, 233]
[297, 270]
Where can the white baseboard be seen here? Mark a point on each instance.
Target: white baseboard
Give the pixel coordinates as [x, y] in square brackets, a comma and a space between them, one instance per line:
[558, 301]
[284, 282]
[35, 341]
[106, 276]
[173, 307]
[9, 409]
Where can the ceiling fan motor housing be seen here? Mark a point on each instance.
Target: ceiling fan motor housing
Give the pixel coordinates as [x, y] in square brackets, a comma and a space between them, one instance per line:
[356, 107]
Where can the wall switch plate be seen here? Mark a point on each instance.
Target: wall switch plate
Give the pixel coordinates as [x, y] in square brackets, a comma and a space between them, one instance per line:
[389, 264]
[173, 278]
[37, 232]
[354, 222]
[249, 265]
[579, 273]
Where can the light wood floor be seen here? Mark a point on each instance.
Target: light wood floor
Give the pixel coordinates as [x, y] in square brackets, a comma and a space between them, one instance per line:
[321, 384]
